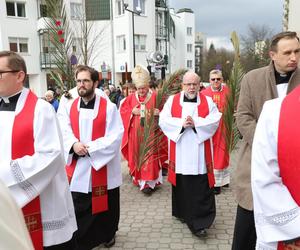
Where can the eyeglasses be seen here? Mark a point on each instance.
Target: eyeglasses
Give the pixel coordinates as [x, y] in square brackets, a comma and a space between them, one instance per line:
[8, 71]
[84, 81]
[191, 84]
[215, 79]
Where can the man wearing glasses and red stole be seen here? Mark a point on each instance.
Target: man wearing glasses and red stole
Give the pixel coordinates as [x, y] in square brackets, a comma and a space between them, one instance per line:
[31, 162]
[218, 92]
[189, 119]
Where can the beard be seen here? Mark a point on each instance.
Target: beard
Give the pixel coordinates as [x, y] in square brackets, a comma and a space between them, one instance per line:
[190, 96]
[84, 92]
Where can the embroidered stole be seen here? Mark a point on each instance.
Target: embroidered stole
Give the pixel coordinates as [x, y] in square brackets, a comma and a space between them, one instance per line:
[288, 148]
[99, 178]
[23, 144]
[203, 111]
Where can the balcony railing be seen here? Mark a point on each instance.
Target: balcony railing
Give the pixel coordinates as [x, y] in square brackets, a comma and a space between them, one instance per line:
[161, 31]
[47, 60]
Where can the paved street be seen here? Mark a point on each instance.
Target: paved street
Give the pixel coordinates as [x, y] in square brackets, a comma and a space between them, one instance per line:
[146, 221]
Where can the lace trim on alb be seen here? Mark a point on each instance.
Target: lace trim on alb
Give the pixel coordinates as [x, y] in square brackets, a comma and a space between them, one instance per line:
[29, 189]
[277, 219]
[55, 224]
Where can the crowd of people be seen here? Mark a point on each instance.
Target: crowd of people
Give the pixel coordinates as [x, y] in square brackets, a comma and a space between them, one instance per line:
[64, 169]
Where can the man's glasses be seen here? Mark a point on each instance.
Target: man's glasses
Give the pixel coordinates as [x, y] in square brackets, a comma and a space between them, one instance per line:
[8, 71]
[215, 79]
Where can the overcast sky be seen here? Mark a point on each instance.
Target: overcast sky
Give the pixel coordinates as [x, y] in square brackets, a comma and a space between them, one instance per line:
[218, 18]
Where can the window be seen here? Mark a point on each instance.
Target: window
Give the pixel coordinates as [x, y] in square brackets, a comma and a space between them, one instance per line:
[189, 48]
[97, 10]
[121, 43]
[18, 44]
[189, 31]
[140, 42]
[189, 64]
[76, 10]
[120, 7]
[139, 6]
[43, 10]
[15, 9]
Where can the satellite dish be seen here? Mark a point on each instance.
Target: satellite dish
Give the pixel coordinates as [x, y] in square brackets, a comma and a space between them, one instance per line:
[157, 57]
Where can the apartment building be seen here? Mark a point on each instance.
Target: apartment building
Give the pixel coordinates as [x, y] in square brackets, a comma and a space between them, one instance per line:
[125, 31]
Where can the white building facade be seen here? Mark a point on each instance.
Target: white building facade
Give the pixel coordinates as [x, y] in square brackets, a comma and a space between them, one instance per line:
[291, 19]
[157, 28]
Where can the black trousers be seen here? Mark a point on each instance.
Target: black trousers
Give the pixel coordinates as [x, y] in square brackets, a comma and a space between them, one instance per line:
[244, 236]
[69, 245]
[193, 201]
[98, 228]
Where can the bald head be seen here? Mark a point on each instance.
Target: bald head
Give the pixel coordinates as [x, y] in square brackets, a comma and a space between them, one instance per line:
[191, 84]
[191, 76]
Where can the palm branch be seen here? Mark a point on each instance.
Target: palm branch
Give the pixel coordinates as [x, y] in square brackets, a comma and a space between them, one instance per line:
[62, 39]
[236, 75]
[150, 137]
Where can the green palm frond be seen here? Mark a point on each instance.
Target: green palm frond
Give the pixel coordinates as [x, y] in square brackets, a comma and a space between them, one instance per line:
[150, 138]
[62, 71]
[236, 75]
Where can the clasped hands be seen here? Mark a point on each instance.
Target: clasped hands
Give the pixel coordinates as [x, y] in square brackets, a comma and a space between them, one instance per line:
[188, 122]
[80, 148]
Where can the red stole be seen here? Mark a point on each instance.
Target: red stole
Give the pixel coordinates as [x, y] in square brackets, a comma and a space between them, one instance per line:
[203, 111]
[99, 178]
[221, 155]
[23, 144]
[288, 148]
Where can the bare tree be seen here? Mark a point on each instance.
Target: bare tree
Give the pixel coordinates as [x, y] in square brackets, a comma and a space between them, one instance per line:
[255, 46]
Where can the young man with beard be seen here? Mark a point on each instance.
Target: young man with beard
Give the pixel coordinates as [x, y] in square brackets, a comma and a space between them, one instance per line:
[218, 92]
[92, 132]
[189, 120]
[277, 79]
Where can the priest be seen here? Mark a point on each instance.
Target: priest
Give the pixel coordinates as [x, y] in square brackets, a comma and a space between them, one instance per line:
[92, 131]
[218, 92]
[189, 120]
[32, 163]
[136, 111]
[275, 174]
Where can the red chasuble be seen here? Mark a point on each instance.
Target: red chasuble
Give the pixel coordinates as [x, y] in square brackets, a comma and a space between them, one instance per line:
[203, 111]
[288, 148]
[130, 141]
[221, 155]
[99, 178]
[23, 144]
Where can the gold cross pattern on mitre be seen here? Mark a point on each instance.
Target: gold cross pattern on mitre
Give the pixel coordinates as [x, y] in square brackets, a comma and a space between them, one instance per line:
[140, 76]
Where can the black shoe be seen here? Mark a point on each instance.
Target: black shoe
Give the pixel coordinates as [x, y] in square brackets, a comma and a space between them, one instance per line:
[226, 186]
[147, 190]
[201, 233]
[217, 190]
[110, 243]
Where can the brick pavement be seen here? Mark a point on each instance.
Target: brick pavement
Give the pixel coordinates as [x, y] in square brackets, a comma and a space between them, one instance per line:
[146, 221]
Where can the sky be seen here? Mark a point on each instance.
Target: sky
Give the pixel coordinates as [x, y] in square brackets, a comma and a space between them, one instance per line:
[218, 18]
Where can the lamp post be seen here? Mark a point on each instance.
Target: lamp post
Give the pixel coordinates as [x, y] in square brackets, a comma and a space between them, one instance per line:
[137, 12]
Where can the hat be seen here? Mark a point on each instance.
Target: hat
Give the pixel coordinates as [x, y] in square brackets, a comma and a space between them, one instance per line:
[140, 76]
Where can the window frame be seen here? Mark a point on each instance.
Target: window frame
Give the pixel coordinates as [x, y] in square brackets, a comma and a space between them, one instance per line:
[16, 11]
[19, 42]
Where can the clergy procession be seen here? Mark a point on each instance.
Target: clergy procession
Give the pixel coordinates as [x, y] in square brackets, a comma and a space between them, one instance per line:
[61, 173]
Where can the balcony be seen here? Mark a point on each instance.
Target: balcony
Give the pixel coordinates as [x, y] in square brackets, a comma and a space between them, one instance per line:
[161, 32]
[47, 60]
